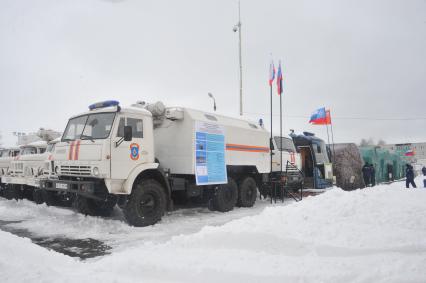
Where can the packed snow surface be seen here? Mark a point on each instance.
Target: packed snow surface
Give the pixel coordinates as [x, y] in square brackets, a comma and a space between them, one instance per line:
[372, 235]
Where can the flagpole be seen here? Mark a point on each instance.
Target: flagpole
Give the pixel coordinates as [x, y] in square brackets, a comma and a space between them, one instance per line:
[332, 136]
[270, 142]
[328, 137]
[270, 146]
[281, 133]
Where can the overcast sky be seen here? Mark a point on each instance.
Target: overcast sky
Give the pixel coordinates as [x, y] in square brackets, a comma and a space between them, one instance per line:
[363, 59]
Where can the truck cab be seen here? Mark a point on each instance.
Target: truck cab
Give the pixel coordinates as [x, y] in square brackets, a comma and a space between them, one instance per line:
[316, 164]
[94, 147]
[100, 155]
[30, 160]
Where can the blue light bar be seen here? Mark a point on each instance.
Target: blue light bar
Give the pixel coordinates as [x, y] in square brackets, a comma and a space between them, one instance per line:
[103, 104]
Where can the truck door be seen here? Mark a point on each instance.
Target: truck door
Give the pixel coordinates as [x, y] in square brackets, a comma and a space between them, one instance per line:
[126, 155]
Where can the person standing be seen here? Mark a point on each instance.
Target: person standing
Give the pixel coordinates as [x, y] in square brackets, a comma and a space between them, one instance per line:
[366, 173]
[424, 174]
[372, 175]
[409, 176]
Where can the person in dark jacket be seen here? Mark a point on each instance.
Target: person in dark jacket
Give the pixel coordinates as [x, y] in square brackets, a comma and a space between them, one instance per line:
[366, 173]
[409, 176]
[424, 174]
[372, 175]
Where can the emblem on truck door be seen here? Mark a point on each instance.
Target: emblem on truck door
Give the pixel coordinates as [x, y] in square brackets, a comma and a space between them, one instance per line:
[134, 151]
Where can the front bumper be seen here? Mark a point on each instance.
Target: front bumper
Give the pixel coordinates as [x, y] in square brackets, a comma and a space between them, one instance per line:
[83, 188]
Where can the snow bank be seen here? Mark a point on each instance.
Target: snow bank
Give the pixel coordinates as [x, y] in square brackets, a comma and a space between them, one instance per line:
[372, 235]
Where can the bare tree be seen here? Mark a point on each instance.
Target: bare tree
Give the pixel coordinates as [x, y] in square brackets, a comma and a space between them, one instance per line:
[381, 142]
[365, 142]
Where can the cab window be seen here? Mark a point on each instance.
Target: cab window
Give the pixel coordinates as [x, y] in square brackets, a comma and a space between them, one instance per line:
[29, 150]
[136, 124]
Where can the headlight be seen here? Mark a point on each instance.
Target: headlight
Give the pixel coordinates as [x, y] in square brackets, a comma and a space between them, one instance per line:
[57, 169]
[95, 171]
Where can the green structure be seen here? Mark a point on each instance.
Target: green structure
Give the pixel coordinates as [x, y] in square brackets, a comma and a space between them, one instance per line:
[388, 166]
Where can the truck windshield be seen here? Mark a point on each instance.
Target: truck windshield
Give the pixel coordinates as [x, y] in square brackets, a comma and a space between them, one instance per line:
[320, 151]
[28, 150]
[89, 127]
[288, 144]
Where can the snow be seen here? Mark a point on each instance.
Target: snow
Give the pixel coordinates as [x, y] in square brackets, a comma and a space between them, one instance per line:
[372, 235]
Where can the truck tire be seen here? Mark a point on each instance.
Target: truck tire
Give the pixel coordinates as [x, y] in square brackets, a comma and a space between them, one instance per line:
[18, 191]
[146, 204]
[247, 192]
[28, 193]
[38, 196]
[225, 197]
[50, 198]
[9, 192]
[93, 207]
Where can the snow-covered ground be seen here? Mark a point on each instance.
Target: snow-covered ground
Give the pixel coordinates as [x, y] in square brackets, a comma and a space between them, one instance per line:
[372, 235]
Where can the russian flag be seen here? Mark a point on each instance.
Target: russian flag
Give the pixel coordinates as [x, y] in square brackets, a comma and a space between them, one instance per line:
[279, 80]
[271, 73]
[409, 153]
[319, 117]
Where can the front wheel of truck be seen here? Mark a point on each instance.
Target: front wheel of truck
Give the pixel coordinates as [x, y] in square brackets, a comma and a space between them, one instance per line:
[88, 206]
[146, 204]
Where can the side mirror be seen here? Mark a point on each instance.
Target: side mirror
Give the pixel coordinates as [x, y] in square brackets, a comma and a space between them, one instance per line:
[128, 133]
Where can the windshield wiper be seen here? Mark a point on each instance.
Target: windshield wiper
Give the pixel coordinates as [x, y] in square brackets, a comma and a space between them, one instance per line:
[86, 137]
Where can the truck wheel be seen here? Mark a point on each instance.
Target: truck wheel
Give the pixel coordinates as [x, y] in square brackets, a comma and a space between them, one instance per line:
[18, 192]
[38, 196]
[50, 198]
[28, 193]
[146, 204]
[64, 199]
[88, 206]
[226, 196]
[9, 192]
[247, 192]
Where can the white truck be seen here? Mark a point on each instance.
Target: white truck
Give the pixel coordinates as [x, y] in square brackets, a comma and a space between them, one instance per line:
[141, 156]
[6, 157]
[33, 163]
[23, 168]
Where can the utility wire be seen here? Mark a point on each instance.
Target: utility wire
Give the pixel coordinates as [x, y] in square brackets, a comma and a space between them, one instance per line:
[343, 118]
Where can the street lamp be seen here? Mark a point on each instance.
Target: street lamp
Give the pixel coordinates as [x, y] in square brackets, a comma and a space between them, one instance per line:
[236, 28]
[214, 101]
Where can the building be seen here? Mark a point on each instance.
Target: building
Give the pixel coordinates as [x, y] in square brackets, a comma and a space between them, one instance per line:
[413, 153]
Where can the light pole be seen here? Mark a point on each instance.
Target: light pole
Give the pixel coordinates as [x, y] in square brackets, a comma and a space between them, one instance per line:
[214, 101]
[236, 28]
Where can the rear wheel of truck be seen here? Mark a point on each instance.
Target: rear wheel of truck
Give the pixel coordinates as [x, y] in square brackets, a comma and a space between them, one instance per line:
[88, 206]
[225, 197]
[146, 204]
[247, 192]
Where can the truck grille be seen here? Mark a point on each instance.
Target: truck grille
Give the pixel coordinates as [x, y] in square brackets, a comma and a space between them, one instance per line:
[18, 167]
[76, 170]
